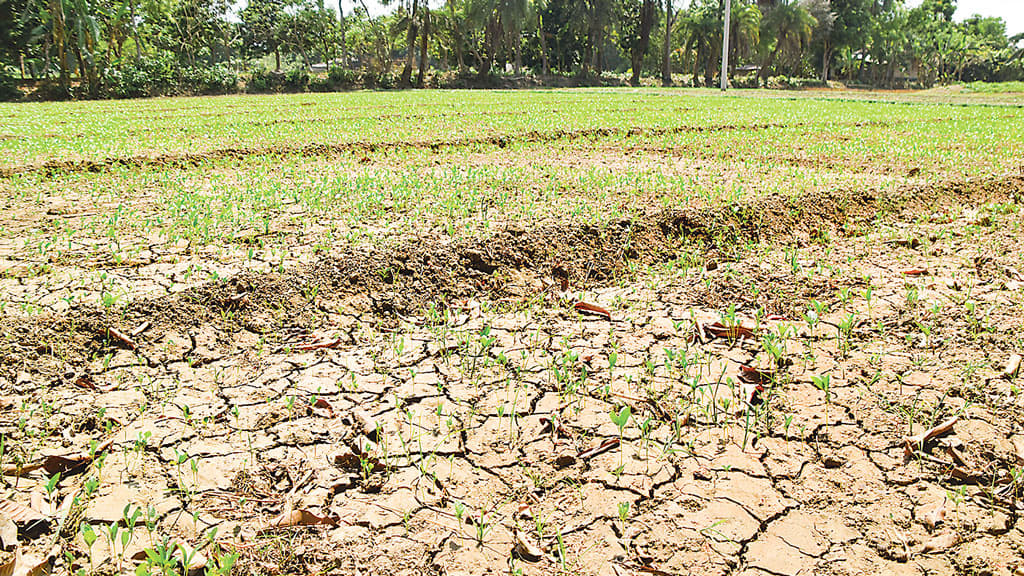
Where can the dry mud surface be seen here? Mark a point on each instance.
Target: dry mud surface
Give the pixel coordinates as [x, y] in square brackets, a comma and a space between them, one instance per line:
[775, 368]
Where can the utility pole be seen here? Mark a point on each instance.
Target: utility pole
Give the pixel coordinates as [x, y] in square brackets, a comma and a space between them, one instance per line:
[725, 46]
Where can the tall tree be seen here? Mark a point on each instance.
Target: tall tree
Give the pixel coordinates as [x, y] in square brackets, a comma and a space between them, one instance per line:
[263, 26]
[637, 19]
[666, 43]
[791, 26]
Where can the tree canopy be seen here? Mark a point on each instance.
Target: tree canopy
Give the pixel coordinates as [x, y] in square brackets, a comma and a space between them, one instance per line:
[135, 47]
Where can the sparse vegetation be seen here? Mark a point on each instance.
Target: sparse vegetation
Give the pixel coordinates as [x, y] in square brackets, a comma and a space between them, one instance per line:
[548, 330]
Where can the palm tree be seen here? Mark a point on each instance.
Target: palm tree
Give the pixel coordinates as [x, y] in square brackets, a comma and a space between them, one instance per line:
[411, 31]
[537, 8]
[502, 22]
[744, 31]
[792, 26]
[666, 66]
[702, 30]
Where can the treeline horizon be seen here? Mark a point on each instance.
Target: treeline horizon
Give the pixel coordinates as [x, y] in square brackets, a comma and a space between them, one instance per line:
[127, 48]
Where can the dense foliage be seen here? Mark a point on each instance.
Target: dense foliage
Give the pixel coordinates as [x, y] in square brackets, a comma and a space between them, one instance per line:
[128, 48]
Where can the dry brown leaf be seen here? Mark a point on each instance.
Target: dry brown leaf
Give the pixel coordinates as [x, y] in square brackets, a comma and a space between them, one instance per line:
[20, 514]
[526, 549]
[126, 340]
[324, 405]
[1012, 366]
[87, 383]
[318, 345]
[719, 330]
[8, 533]
[912, 443]
[755, 376]
[940, 543]
[600, 449]
[935, 516]
[29, 565]
[592, 309]
[294, 518]
[65, 464]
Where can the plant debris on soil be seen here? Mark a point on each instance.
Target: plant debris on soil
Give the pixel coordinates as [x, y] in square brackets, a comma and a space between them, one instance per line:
[816, 383]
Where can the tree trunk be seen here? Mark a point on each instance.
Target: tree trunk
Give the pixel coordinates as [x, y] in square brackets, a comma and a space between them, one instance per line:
[135, 31]
[543, 44]
[519, 52]
[410, 46]
[770, 61]
[457, 37]
[60, 40]
[638, 48]
[46, 57]
[666, 66]
[709, 71]
[825, 57]
[277, 58]
[423, 48]
[489, 44]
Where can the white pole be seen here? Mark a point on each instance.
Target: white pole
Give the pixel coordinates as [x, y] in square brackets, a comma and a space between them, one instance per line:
[725, 46]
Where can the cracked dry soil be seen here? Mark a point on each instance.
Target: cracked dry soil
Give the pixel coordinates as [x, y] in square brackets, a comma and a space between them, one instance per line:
[362, 430]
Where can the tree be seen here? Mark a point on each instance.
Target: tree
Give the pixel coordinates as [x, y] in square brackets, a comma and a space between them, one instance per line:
[791, 26]
[637, 18]
[744, 30]
[262, 27]
[666, 65]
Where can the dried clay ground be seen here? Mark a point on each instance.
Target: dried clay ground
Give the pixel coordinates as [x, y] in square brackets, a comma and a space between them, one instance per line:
[587, 332]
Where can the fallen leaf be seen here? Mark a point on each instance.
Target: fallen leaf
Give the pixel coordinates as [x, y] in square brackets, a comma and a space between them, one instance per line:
[318, 345]
[526, 549]
[600, 449]
[940, 543]
[915, 272]
[295, 518]
[115, 334]
[914, 442]
[592, 309]
[935, 516]
[21, 514]
[719, 330]
[8, 533]
[28, 565]
[140, 329]
[755, 376]
[322, 408]
[65, 464]
[87, 383]
[1012, 366]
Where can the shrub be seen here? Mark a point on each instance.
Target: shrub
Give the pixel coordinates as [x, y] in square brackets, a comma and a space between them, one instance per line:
[368, 78]
[263, 80]
[8, 87]
[149, 76]
[343, 77]
[387, 81]
[750, 81]
[217, 79]
[296, 79]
